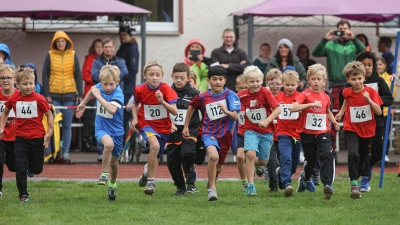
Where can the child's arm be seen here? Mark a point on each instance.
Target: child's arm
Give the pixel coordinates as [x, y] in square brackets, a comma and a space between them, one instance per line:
[107, 105]
[189, 113]
[232, 115]
[332, 119]
[275, 113]
[296, 107]
[50, 123]
[81, 107]
[3, 120]
[375, 107]
[340, 114]
[171, 108]
[135, 110]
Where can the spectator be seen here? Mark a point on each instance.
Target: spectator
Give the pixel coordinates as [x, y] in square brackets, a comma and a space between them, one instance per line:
[108, 58]
[96, 49]
[232, 58]
[284, 58]
[304, 54]
[5, 55]
[363, 38]
[38, 85]
[128, 51]
[338, 50]
[198, 63]
[262, 60]
[384, 45]
[62, 82]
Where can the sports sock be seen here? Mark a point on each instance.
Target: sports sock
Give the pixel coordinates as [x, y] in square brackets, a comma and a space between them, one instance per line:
[150, 180]
[112, 185]
[104, 173]
[354, 183]
[245, 182]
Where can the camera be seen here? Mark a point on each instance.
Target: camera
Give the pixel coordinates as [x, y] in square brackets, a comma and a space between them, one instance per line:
[338, 32]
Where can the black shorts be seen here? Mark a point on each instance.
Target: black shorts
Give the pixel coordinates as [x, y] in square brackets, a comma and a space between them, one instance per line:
[239, 141]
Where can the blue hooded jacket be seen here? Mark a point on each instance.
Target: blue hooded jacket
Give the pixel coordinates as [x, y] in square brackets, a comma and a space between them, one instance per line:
[38, 86]
[4, 48]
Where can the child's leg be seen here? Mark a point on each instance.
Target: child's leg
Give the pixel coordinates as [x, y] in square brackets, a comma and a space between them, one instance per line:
[187, 158]
[376, 147]
[36, 155]
[2, 160]
[212, 165]
[174, 164]
[353, 156]
[273, 163]
[363, 151]
[21, 165]
[285, 160]
[108, 144]
[114, 166]
[240, 163]
[324, 149]
[296, 149]
[152, 161]
[308, 144]
[10, 155]
[118, 142]
[225, 143]
[250, 160]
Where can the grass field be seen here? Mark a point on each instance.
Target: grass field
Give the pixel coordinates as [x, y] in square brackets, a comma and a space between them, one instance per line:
[70, 202]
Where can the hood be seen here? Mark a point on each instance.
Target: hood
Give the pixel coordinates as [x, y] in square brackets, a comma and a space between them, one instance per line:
[374, 76]
[61, 34]
[34, 69]
[185, 88]
[194, 41]
[4, 48]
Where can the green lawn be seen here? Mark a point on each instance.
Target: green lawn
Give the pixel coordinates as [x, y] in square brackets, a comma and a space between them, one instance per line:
[58, 202]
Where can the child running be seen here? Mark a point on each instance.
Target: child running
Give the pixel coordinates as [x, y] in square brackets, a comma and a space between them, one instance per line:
[157, 100]
[314, 131]
[181, 152]
[359, 107]
[220, 106]
[7, 142]
[258, 124]
[29, 108]
[288, 139]
[109, 128]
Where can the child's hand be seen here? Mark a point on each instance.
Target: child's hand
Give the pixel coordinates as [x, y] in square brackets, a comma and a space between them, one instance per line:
[80, 110]
[1, 133]
[132, 125]
[200, 58]
[222, 107]
[317, 104]
[173, 128]
[159, 96]
[47, 139]
[366, 95]
[185, 132]
[336, 125]
[95, 91]
[263, 124]
[339, 116]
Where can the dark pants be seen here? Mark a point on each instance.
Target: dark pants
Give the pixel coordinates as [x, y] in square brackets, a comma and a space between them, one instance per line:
[7, 156]
[376, 151]
[358, 149]
[318, 146]
[28, 155]
[200, 152]
[88, 122]
[181, 156]
[273, 163]
[289, 154]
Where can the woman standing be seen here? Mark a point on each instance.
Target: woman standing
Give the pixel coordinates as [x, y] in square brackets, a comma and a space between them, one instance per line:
[62, 82]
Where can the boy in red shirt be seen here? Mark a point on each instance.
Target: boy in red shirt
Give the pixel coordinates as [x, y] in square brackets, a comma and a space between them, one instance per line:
[314, 131]
[288, 138]
[29, 108]
[360, 105]
[157, 100]
[7, 142]
[258, 124]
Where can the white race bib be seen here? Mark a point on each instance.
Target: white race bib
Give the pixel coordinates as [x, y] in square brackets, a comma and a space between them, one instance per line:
[154, 112]
[373, 85]
[286, 114]
[2, 107]
[316, 121]
[256, 115]
[179, 119]
[102, 111]
[241, 118]
[215, 112]
[360, 114]
[27, 109]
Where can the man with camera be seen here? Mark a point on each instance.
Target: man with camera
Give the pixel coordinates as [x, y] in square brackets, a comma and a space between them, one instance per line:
[340, 47]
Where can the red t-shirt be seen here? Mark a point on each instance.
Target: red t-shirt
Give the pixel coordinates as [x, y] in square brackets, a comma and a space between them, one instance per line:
[151, 112]
[257, 108]
[240, 120]
[359, 116]
[287, 121]
[29, 112]
[9, 129]
[314, 120]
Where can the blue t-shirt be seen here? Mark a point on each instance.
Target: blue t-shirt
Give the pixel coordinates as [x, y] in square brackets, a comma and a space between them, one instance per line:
[105, 121]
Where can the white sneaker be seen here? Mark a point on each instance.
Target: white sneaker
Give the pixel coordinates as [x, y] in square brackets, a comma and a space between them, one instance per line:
[301, 157]
[386, 158]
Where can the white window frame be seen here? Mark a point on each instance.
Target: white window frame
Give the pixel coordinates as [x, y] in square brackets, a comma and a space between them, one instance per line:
[107, 27]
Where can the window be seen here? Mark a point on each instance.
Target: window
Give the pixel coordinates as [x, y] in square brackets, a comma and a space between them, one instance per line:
[166, 17]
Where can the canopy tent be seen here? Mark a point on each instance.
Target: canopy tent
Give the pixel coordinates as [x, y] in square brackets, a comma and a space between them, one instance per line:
[360, 10]
[53, 9]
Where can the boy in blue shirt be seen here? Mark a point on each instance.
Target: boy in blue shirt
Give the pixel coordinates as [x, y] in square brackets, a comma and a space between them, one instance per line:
[109, 129]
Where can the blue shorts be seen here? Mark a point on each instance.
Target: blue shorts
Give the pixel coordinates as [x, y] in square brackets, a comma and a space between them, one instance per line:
[239, 141]
[261, 143]
[118, 142]
[148, 132]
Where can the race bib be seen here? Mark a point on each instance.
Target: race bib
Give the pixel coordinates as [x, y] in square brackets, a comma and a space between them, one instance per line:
[154, 112]
[179, 119]
[373, 85]
[215, 112]
[27, 109]
[2, 107]
[256, 115]
[241, 118]
[360, 114]
[316, 121]
[102, 111]
[286, 114]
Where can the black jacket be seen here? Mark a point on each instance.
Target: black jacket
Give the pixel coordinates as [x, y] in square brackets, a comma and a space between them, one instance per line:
[184, 97]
